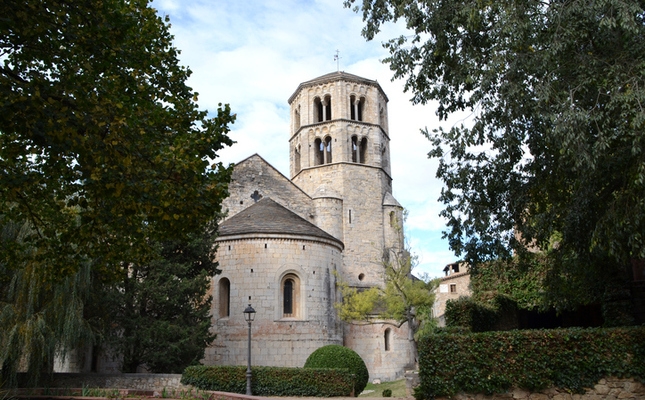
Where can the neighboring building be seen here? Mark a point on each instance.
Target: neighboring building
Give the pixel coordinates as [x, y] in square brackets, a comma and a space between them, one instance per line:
[454, 284]
[286, 241]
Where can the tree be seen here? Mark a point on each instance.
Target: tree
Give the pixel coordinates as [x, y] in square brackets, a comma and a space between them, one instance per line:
[102, 147]
[555, 150]
[160, 312]
[40, 320]
[103, 155]
[403, 299]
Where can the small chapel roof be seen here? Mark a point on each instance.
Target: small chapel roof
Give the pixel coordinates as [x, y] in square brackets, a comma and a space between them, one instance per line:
[337, 76]
[268, 217]
[389, 200]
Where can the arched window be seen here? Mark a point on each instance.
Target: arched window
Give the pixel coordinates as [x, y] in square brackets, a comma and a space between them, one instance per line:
[393, 219]
[328, 150]
[381, 117]
[327, 108]
[363, 148]
[224, 298]
[296, 159]
[319, 152]
[322, 109]
[356, 107]
[387, 336]
[354, 149]
[296, 118]
[318, 110]
[290, 294]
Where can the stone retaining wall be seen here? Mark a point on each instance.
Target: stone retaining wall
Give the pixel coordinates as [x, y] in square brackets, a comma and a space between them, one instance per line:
[605, 389]
[155, 382]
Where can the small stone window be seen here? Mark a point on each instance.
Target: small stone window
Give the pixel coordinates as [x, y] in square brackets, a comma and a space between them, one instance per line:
[387, 336]
[296, 159]
[393, 219]
[224, 298]
[296, 118]
[453, 288]
[290, 294]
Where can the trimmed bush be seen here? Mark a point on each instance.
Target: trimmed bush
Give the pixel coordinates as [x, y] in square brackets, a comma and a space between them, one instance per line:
[498, 313]
[336, 356]
[271, 381]
[493, 362]
[387, 393]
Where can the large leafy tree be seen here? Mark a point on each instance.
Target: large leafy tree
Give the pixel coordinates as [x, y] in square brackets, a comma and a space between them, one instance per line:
[554, 157]
[403, 299]
[160, 311]
[103, 155]
[102, 147]
[39, 319]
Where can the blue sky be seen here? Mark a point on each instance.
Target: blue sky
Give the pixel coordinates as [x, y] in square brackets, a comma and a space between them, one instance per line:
[253, 54]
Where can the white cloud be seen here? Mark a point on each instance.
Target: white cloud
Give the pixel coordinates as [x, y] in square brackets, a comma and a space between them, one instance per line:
[253, 55]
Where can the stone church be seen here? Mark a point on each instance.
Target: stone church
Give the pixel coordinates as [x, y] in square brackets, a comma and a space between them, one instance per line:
[287, 241]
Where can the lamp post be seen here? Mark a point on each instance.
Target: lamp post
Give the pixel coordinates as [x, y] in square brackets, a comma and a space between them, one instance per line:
[249, 315]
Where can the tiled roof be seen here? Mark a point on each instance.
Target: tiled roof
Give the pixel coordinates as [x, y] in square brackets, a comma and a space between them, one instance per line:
[268, 217]
[336, 76]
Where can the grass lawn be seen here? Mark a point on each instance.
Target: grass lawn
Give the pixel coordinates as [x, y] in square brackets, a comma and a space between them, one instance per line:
[397, 388]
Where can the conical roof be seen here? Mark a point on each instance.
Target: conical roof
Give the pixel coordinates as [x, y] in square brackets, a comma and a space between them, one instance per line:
[337, 76]
[268, 217]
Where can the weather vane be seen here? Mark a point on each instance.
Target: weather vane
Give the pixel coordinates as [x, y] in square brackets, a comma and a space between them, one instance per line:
[337, 59]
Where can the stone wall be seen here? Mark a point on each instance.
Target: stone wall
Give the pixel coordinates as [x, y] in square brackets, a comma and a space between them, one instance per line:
[156, 382]
[256, 268]
[384, 361]
[253, 175]
[605, 389]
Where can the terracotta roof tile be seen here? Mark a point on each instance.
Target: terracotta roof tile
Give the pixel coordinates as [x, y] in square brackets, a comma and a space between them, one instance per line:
[267, 216]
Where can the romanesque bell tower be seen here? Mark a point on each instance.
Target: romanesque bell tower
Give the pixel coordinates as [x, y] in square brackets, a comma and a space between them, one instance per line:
[340, 156]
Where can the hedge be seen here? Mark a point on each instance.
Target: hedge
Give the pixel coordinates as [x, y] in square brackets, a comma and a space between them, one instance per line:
[497, 314]
[271, 381]
[337, 356]
[493, 362]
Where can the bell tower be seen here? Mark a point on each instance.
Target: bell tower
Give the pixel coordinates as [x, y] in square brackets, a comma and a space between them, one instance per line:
[339, 150]
[339, 117]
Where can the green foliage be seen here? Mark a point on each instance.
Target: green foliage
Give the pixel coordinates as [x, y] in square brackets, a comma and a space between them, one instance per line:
[499, 313]
[468, 313]
[271, 381]
[521, 278]
[492, 362]
[336, 356]
[404, 299]
[387, 393]
[39, 319]
[554, 155]
[102, 146]
[103, 155]
[160, 313]
[543, 281]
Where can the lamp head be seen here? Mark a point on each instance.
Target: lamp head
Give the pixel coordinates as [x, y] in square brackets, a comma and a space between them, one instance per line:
[249, 314]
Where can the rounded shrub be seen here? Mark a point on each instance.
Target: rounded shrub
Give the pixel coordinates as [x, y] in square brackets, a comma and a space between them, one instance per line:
[336, 356]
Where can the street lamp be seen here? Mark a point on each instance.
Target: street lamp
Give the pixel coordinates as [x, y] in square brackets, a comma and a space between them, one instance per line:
[249, 315]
